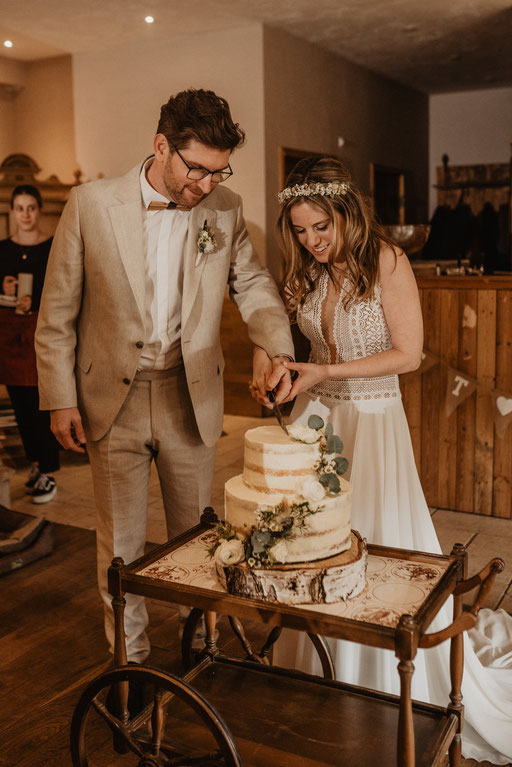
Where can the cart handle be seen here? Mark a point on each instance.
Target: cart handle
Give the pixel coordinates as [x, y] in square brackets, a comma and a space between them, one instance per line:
[467, 619]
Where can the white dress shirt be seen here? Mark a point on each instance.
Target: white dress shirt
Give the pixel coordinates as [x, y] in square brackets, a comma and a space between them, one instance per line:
[165, 232]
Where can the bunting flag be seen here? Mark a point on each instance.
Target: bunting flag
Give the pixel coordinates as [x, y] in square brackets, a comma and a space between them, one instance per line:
[502, 411]
[428, 360]
[458, 388]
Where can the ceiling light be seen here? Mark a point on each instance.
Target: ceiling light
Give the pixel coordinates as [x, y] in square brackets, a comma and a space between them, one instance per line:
[8, 43]
[149, 19]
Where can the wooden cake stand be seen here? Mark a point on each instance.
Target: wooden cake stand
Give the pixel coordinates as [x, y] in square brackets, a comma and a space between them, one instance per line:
[323, 581]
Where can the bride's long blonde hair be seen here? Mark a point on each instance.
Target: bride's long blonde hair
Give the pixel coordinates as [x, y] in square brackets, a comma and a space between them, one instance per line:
[358, 245]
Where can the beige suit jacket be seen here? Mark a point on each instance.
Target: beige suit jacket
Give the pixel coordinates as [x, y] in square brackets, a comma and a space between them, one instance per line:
[91, 320]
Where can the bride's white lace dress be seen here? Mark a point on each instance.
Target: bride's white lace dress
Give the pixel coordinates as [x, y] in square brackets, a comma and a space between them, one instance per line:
[389, 508]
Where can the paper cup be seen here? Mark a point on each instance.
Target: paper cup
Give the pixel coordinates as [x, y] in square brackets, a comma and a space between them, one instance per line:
[24, 288]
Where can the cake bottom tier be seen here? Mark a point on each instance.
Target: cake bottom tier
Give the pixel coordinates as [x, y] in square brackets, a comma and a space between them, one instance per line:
[334, 579]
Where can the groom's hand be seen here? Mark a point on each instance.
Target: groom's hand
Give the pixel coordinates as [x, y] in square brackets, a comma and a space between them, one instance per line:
[66, 424]
[261, 369]
[267, 375]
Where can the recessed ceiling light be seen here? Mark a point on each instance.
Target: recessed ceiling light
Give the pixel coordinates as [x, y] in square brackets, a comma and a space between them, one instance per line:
[8, 43]
[149, 19]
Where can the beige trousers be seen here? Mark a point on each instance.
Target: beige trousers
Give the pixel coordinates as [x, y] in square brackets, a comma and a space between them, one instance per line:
[156, 423]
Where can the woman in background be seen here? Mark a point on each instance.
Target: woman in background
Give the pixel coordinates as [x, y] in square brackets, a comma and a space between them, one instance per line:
[354, 296]
[26, 253]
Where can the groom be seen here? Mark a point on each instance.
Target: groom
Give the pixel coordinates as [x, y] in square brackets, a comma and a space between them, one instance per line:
[128, 345]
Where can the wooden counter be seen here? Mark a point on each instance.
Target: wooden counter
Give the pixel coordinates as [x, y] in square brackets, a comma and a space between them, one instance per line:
[463, 463]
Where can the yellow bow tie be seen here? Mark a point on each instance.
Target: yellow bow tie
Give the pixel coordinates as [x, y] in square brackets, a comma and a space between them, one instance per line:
[160, 205]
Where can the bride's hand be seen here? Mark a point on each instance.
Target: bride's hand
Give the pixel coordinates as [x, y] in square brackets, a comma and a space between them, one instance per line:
[309, 374]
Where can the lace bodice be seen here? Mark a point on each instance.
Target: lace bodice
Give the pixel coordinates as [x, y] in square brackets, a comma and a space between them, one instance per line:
[340, 335]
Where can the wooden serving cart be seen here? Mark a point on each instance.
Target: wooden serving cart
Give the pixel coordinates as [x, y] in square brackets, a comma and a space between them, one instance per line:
[236, 712]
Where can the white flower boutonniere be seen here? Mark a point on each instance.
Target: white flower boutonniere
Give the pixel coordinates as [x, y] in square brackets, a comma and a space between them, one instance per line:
[206, 239]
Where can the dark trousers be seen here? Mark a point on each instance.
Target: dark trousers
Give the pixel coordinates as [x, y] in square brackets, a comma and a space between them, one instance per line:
[34, 425]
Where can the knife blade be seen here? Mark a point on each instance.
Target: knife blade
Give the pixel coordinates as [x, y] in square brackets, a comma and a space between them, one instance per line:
[272, 397]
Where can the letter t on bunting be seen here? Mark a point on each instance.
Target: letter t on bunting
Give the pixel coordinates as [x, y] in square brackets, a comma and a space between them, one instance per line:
[458, 388]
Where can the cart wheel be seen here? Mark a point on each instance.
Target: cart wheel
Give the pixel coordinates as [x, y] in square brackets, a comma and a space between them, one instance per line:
[177, 727]
[190, 655]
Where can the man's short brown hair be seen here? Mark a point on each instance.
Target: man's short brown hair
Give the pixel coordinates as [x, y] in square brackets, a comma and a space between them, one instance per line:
[199, 115]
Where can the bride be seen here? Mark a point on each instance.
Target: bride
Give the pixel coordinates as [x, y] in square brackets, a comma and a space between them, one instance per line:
[354, 295]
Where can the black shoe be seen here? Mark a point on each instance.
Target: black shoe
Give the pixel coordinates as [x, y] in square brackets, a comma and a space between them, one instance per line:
[135, 697]
[44, 489]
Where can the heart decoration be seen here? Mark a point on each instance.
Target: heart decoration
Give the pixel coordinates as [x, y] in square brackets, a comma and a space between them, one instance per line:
[504, 405]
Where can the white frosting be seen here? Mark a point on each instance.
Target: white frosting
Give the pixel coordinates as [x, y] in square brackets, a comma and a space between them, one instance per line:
[275, 463]
[274, 470]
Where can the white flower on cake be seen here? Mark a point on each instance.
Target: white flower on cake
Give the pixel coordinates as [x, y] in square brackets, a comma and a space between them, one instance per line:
[303, 433]
[329, 463]
[279, 552]
[312, 490]
[229, 552]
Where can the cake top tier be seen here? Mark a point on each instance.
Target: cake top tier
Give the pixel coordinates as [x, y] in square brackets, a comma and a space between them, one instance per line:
[275, 463]
[274, 437]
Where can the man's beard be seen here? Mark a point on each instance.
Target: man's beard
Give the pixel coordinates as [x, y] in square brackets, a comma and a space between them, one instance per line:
[176, 193]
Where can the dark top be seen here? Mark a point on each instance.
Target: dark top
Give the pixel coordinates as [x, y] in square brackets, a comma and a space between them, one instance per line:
[31, 259]
[17, 354]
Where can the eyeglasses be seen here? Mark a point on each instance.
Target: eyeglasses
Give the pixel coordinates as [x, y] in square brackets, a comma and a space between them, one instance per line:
[196, 174]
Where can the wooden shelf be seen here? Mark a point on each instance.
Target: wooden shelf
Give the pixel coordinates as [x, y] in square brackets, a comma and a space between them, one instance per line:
[285, 719]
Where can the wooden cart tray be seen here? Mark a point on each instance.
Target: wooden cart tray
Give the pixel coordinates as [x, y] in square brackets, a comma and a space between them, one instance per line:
[394, 584]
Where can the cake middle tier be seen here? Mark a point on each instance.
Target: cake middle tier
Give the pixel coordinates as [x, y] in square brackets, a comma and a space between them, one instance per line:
[325, 532]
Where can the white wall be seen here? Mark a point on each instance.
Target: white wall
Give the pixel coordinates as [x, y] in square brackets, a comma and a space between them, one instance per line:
[12, 79]
[471, 127]
[37, 117]
[118, 94]
[44, 118]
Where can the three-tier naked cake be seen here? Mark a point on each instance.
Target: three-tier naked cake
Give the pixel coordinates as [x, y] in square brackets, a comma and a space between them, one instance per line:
[286, 536]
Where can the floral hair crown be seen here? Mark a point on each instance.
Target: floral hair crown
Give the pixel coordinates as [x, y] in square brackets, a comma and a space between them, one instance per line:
[332, 189]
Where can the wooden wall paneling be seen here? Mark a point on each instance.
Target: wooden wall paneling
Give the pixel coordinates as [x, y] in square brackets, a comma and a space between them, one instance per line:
[466, 411]
[431, 399]
[502, 487]
[484, 425]
[237, 350]
[448, 353]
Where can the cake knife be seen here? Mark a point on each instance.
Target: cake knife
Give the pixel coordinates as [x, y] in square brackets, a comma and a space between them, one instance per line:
[277, 412]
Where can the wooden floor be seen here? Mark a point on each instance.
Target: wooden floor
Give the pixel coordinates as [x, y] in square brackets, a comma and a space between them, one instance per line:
[52, 645]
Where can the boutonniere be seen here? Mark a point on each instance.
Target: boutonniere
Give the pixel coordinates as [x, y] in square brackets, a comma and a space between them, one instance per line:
[206, 239]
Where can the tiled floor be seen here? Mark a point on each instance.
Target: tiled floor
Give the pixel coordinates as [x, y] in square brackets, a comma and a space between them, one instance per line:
[485, 537]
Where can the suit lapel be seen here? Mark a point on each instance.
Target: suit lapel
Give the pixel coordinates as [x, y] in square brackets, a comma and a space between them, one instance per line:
[126, 219]
[194, 261]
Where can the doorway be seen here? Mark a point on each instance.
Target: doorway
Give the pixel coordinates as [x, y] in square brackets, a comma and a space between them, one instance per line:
[387, 187]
